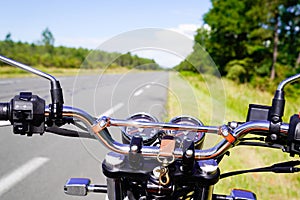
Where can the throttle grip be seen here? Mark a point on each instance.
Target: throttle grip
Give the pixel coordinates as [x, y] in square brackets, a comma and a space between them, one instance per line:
[293, 140]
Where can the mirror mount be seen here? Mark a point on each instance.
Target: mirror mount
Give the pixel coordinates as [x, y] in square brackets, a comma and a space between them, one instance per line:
[278, 102]
[57, 101]
[277, 108]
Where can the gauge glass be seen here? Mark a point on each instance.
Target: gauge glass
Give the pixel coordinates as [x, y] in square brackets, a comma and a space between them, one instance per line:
[145, 133]
[181, 135]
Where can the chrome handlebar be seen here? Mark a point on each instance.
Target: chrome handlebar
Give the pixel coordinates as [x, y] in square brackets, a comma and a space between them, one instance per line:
[98, 128]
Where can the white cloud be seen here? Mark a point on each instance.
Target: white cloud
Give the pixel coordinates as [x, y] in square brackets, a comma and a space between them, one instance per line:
[163, 58]
[179, 47]
[188, 30]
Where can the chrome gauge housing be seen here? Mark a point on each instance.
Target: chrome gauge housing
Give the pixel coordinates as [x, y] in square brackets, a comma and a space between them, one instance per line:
[197, 137]
[149, 135]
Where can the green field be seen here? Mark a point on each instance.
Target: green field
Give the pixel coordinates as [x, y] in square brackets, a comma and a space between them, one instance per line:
[13, 72]
[216, 102]
[201, 96]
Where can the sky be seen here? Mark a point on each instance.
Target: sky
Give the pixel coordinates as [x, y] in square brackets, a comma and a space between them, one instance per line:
[92, 23]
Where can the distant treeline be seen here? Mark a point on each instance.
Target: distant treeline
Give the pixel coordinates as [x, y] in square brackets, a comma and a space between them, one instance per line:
[255, 41]
[45, 54]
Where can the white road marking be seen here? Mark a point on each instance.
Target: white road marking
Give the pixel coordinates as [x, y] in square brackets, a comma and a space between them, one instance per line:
[139, 92]
[112, 110]
[8, 181]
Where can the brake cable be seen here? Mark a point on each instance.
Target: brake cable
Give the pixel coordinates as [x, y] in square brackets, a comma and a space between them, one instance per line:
[284, 167]
[69, 133]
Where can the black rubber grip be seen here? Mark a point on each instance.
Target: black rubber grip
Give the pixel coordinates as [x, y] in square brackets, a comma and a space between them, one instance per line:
[4, 111]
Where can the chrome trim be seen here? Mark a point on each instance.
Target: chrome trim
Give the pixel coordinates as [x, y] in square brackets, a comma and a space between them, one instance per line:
[72, 110]
[27, 68]
[151, 151]
[261, 126]
[284, 128]
[153, 118]
[193, 121]
[213, 152]
[187, 116]
[143, 116]
[103, 136]
[163, 126]
[257, 126]
[287, 81]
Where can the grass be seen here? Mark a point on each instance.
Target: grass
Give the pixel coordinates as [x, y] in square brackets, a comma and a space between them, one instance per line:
[13, 72]
[217, 101]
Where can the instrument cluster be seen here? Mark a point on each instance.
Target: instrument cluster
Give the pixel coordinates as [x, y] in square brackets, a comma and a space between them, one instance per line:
[150, 135]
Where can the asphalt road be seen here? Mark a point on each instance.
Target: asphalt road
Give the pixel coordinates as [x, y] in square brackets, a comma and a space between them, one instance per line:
[37, 167]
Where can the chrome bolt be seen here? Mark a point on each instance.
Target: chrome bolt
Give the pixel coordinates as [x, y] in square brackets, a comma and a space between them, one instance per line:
[273, 137]
[134, 148]
[233, 124]
[224, 130]
[189, 152]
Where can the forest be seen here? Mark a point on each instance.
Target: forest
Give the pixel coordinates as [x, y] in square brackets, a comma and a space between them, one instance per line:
[256, 42]
[45, 54]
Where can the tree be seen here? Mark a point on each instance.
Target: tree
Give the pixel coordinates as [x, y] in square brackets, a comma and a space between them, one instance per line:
[47, 38]
[289, 34]
[64, 57]
[274, 22]
[8, 37]
[229, 31]
[247, 40]
[283, 19]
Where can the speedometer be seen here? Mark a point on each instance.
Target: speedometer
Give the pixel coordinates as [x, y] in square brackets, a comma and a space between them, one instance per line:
[180, 135]
[148, 134]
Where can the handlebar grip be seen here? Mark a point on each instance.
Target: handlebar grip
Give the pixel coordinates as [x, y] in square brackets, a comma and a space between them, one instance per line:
[4, 111]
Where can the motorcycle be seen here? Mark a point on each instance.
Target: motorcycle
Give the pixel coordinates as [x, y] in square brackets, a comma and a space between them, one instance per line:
[157, 160]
